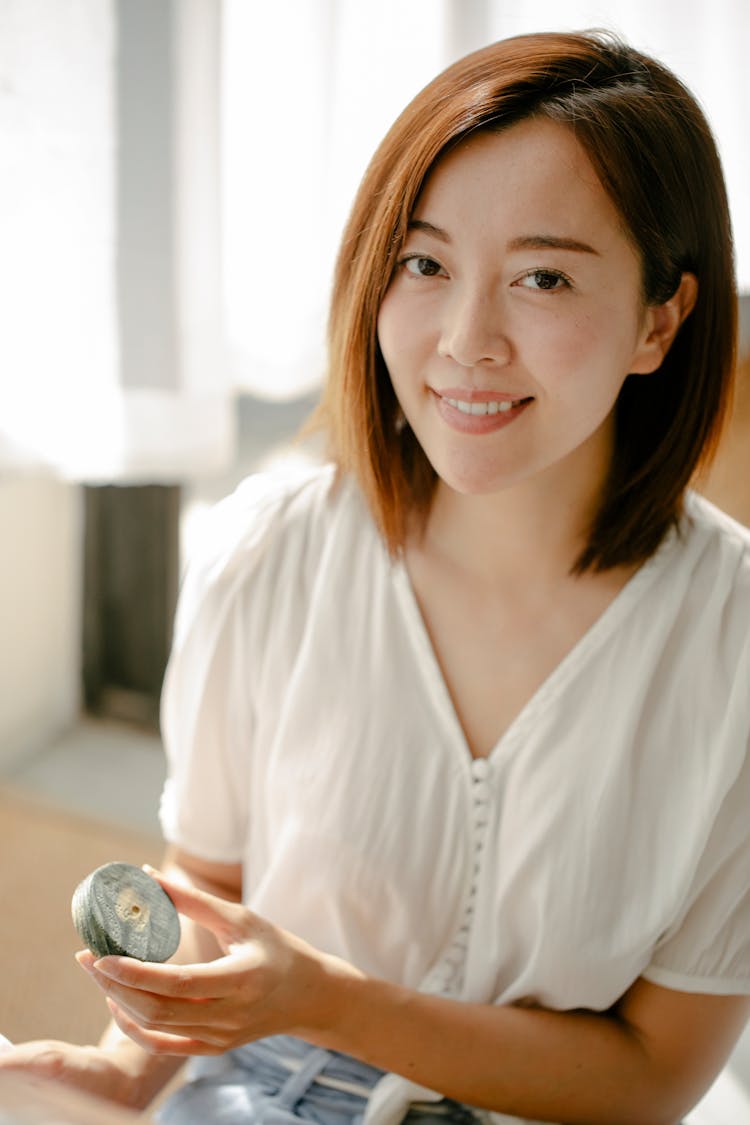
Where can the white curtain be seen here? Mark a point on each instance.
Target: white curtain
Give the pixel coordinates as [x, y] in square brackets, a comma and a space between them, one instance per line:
[310, 88]
[82, 394]
[58, 343]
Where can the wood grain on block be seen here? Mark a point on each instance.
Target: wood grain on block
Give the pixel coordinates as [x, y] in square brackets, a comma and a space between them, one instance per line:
[119, 909]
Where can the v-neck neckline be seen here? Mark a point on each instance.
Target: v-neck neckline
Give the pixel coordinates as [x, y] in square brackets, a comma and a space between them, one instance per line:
[574, 659]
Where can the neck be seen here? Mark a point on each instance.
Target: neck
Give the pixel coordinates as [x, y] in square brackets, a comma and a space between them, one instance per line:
[523, 533]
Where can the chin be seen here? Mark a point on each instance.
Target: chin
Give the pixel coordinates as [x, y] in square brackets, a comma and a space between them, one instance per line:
[474, 482]
[471, 472]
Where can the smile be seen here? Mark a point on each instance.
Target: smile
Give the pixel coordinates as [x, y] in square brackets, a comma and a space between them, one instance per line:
[495, 406]
[478, 412]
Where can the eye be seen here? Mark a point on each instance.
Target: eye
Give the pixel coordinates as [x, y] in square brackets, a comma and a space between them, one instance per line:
[548, 280]
[418, 265]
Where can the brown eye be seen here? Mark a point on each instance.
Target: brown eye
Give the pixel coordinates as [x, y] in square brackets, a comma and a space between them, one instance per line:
[545, 279]
[422, 267]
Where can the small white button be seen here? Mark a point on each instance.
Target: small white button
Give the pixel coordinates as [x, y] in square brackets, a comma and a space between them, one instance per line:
[480, 768]
[482, 791]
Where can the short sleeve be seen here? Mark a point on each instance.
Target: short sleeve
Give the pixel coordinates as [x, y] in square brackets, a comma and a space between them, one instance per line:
[207, 698]
[708, 947]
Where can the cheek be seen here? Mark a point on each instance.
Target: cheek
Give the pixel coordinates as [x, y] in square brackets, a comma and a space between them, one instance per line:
[578, 349]
[398, 341]
[386, 330]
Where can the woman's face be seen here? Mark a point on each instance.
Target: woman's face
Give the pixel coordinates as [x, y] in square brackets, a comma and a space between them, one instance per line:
[515, 313]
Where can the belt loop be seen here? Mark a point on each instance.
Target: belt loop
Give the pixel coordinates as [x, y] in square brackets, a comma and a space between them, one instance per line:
[300, 1081]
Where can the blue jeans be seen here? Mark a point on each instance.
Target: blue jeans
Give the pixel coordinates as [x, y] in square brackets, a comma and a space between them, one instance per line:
[281, 1081]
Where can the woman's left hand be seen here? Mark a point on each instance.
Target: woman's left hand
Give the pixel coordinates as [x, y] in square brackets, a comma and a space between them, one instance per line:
[268, 982]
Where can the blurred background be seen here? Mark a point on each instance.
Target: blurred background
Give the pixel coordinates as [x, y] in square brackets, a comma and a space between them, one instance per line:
[174, 177]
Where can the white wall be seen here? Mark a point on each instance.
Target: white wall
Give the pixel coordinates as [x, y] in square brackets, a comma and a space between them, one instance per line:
[40, 611]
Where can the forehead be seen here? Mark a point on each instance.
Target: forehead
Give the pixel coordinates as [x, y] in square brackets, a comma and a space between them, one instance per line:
[532, 177]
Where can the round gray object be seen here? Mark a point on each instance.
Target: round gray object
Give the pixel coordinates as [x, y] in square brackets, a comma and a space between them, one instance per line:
[119, 909]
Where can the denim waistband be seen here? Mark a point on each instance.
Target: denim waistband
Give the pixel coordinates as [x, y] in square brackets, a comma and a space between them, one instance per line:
[305, 1065]
[281, 1080]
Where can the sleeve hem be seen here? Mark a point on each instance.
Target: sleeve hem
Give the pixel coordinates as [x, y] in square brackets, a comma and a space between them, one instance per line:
[685, 982]
[211, 855]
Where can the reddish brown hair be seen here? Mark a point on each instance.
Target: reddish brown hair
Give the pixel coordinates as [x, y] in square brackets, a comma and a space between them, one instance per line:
[654, 153]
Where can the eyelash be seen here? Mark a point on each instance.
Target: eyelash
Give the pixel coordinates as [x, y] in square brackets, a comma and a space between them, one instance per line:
[558, 275]
[407, 258]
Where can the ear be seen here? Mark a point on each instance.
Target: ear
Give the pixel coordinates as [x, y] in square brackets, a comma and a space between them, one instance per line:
[661, 324]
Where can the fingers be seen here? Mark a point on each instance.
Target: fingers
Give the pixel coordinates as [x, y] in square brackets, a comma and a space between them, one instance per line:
[169, 1018]
[208, 981]
[158, 1042]
[229, 921]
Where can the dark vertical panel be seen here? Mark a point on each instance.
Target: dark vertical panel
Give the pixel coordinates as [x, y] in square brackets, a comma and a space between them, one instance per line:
[130, 586]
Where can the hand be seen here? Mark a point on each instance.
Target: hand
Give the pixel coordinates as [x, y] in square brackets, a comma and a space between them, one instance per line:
[103, 1072]
[268, 982]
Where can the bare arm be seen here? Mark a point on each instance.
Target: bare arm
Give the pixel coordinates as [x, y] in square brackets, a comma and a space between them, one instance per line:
[647, 1061]
[118, 1069]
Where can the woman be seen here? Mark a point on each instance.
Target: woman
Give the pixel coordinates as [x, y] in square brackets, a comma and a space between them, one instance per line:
[463, 717]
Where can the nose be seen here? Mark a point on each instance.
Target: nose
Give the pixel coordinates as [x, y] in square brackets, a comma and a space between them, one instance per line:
[472, 332]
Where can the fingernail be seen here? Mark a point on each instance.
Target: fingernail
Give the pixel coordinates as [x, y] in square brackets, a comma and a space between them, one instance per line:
[108, 966]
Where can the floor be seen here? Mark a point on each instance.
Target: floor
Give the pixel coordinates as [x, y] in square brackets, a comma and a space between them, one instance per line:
[106, 770]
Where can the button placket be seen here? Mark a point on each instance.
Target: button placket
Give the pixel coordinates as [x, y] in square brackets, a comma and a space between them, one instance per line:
[447, 976]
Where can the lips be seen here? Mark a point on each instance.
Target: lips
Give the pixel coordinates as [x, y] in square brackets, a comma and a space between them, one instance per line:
[477, 411]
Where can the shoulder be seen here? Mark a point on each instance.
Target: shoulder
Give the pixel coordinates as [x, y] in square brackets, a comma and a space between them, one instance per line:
[715, 527]
[271, 524]
[691, 630]
[258, 509]
[708, 551]
[717, 560]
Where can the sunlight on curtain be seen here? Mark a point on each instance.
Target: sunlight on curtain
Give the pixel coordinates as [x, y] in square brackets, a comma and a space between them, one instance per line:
[310, 89]
[58, 345]
[111, 351]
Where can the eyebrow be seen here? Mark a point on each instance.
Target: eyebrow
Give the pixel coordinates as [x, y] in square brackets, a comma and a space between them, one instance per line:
[550, 242]
[429, 228]
[522, 242]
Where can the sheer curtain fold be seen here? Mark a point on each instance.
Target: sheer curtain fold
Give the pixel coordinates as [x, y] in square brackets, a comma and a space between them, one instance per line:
[58, 345]
[86, 389]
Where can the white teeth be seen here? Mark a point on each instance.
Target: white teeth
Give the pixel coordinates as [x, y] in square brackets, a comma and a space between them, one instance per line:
[493, 407]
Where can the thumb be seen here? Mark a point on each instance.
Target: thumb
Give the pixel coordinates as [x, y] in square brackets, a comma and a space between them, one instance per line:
[229, 921]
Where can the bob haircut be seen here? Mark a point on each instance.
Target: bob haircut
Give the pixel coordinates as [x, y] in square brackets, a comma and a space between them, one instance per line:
[653, 151]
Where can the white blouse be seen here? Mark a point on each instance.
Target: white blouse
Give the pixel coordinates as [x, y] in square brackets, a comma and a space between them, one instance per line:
[311, 737]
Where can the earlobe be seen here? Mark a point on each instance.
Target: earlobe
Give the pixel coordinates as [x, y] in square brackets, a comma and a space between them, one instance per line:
[661, 325]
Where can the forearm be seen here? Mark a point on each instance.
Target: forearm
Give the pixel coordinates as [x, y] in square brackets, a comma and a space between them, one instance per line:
[580, 1068]
[149, 1073]
[145, 1075]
